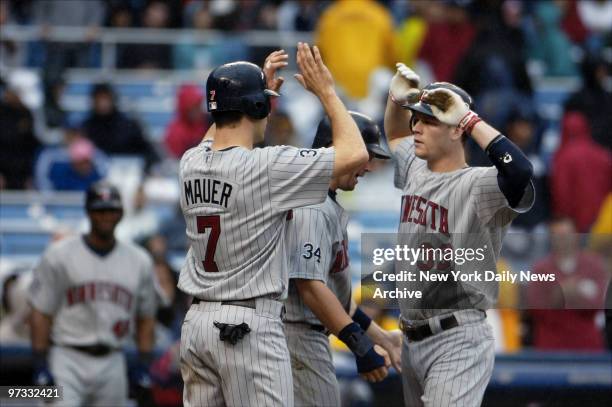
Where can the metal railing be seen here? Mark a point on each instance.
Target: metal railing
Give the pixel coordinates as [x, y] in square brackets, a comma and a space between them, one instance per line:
[110, 38]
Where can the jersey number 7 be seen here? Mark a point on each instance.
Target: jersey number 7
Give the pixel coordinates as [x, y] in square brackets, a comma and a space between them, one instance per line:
[213, 223]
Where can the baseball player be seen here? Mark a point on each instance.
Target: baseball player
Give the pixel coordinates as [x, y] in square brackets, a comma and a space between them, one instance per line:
[236, 201]
[319, 299]
[88, 294]
[447, 359]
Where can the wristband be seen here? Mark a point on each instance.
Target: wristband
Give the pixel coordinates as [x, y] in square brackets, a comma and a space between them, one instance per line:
[362, 319]
[468, 121]
[369, 362]
[394, 100]
[355, 338]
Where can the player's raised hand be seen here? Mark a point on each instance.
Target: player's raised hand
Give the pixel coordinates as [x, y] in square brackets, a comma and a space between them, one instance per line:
[404, 82]
[275, 61]
[314, 75]
[447, 106]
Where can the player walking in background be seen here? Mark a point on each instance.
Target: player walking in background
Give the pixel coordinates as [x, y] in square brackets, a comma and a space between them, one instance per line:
[86, 294]
[447, 359]
[319, 299]
[236, 201]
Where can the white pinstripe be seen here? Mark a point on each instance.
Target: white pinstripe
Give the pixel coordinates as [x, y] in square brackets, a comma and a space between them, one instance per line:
[324, 227]
[252, 262]
[453, 367]
[314, 374]
[254, 372]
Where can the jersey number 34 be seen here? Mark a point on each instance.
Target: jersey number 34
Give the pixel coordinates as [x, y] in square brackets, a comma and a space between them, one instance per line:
[214, 224]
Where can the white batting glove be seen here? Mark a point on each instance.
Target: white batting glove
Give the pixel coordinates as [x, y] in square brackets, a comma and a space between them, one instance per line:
[448, 107]
[404, 83]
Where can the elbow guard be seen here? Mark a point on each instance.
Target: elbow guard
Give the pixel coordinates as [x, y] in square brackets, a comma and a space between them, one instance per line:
[514, 169]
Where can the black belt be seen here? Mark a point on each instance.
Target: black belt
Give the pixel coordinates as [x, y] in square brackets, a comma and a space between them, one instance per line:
[418, 333]
[312, 327]
[239, 303]
[318, 328]
[93, 350]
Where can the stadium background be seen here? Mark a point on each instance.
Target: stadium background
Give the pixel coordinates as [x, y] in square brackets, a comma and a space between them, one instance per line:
[72, 70]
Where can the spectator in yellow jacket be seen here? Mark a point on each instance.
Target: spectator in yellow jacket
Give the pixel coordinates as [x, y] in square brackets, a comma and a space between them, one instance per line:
[355, 37]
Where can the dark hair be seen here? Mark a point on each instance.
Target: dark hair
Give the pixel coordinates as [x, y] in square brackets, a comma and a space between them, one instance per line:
[102, 88]
[226, 119]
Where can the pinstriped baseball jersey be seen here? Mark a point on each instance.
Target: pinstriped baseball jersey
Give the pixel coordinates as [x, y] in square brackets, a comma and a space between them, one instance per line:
[318, 236]
[235, 202]
[461, 209]
[207, 144]
[93, 298]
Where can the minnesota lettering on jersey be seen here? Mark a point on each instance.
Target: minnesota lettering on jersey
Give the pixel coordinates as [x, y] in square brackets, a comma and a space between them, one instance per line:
[99, 291]
[422, 211]
[199, 191]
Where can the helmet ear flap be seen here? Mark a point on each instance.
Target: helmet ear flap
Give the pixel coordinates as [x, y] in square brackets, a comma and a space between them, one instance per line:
[256, 107]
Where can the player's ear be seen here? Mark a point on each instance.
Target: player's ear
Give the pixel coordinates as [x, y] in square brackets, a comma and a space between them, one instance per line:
[456, 133]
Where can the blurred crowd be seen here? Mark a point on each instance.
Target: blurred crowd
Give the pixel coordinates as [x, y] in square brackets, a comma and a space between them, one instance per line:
[500, 51]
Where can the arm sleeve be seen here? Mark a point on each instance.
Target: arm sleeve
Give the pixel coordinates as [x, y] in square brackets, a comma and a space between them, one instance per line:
[46, 290]
[298, 177]
[515, 171]
[492, 206]
[313, 245]
[403, 157]
[147, 296]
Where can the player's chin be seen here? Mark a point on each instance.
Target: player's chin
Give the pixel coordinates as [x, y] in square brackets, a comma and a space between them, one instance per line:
[347, 186]
[106, 229]
[420, 151]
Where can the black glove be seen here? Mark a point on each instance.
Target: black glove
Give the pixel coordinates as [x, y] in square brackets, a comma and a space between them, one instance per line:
[232, 333]
[42, 375]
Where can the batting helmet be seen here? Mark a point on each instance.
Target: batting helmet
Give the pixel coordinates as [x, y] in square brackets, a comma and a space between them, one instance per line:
[369, 131]
[102, 195]
[425, 108]
[238, 87]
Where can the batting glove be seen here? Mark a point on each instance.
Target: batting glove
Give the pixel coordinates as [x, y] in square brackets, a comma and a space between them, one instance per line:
[404, 82]
[448, 107]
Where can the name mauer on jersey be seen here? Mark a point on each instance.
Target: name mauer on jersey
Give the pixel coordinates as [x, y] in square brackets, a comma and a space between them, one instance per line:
[206, 191]
[421, 211]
